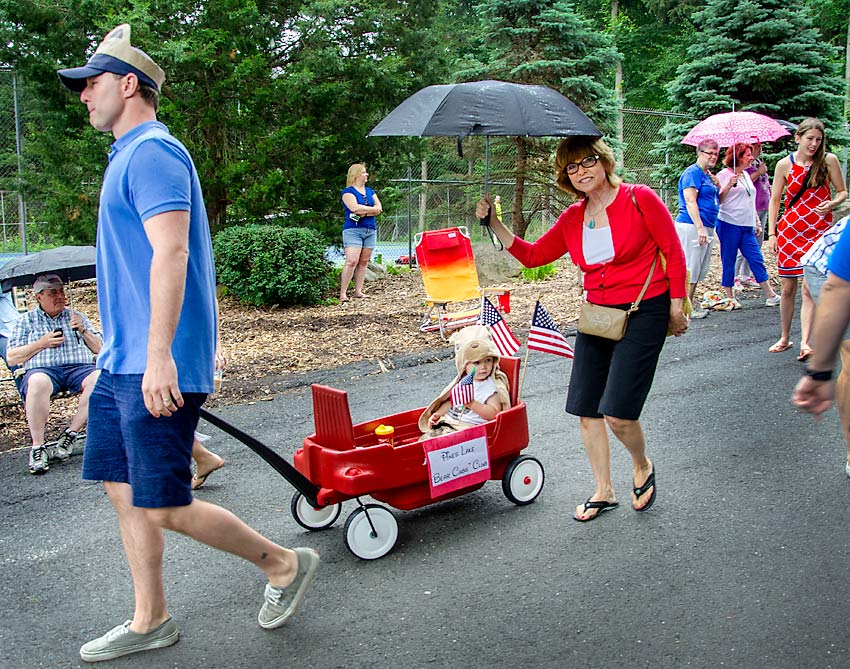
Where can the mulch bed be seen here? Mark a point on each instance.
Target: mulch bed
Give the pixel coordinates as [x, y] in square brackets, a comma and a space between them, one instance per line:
[270, 349]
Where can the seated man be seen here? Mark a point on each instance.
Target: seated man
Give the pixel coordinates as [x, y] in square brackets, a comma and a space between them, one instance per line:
[56, 347]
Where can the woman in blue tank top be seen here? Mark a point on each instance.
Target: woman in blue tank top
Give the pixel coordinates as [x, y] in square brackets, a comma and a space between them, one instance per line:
[360, 205]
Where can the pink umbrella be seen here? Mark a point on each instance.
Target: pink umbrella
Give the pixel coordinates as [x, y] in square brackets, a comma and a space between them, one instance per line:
[733, 128]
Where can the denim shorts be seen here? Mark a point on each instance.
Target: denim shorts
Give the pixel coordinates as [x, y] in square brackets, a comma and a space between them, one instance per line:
[64, 377]
[126, 444]
[361, 238]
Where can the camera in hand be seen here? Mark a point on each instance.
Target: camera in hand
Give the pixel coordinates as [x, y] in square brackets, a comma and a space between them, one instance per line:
[58, 330]
[355, 217]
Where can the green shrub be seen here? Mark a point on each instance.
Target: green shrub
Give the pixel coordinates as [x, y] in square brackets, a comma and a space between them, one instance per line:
[539, 273]
[397, 270]
[269, 264]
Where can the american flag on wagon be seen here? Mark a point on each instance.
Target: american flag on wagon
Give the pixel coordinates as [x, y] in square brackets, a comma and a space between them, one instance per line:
[464, 390]
[499, 330]
[545, 336]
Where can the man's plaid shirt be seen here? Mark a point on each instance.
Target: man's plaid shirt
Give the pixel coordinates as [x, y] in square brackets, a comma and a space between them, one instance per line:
[34, 324]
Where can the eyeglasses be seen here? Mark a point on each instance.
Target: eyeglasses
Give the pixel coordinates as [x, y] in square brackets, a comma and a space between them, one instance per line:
[587, 162]
[710, 153]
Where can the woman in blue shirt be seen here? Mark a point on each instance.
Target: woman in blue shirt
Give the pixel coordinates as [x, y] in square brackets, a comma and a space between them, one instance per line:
[361, 205]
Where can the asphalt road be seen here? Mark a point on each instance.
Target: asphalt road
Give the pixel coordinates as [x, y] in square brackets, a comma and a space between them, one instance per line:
[742, 562]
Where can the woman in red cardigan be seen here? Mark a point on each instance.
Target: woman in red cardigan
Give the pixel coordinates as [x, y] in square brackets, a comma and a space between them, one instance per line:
[614, 242]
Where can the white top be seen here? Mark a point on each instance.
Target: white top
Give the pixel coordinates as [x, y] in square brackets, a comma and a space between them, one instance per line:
[597, 245]
[483, 391]
[738, 206]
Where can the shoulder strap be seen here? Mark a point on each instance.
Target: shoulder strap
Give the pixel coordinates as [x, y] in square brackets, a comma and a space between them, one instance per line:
[796, 198]
[654, 262]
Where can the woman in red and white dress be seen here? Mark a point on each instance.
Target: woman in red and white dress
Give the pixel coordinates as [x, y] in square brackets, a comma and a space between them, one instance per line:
[807, 216]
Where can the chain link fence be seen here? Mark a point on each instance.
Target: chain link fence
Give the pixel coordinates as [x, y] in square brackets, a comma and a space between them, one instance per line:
[12, 203]
[441, 189]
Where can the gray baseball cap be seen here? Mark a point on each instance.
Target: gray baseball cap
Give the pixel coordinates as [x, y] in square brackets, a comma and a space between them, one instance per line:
[116, 55]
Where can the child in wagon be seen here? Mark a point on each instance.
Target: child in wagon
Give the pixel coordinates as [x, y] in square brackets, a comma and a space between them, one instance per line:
[474, 349]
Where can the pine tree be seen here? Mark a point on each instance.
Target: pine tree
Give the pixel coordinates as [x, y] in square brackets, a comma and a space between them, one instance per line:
[546, 42]
[756, 55]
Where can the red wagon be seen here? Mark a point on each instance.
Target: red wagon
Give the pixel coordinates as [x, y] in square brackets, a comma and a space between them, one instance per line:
[343, 461]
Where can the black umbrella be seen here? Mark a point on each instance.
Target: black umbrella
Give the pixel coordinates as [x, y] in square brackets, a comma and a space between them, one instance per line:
[489, 108]
[71, 263]
[788, 125]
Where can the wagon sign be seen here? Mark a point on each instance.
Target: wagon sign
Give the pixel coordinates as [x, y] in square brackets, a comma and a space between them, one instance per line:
[457, 460]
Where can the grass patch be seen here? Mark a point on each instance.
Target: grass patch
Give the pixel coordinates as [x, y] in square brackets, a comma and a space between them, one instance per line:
[539, 273]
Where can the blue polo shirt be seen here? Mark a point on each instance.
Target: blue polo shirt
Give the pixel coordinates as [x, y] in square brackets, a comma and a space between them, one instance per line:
[708, 201]
[151, 173]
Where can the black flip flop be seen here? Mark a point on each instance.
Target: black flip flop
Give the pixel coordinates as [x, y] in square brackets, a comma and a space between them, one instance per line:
[602, 506]
[649, 483]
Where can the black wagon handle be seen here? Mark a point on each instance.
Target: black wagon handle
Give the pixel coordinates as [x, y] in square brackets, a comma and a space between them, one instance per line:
[298, 481]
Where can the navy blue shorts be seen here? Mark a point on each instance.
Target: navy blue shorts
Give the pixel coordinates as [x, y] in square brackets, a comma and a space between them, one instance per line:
[125, 444]
[613, 378]
[64, 377]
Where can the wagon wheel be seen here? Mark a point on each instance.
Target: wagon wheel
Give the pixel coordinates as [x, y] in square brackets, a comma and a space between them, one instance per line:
[371, 531]
[311, 518]
[523, 480]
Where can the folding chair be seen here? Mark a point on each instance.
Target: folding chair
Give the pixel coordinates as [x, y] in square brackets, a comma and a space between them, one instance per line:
[448, 272]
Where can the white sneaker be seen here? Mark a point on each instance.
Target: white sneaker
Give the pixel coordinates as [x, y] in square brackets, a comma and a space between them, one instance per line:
[773, 301]
[699, 313]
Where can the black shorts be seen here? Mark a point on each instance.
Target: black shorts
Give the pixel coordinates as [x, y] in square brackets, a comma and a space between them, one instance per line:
[613, 378]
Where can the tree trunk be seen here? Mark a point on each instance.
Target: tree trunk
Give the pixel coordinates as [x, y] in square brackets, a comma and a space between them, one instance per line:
[519, 224]
[618, 78]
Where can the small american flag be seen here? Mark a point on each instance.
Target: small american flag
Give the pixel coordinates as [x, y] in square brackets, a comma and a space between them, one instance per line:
[545, 336]
[464, 391]
[502, 335]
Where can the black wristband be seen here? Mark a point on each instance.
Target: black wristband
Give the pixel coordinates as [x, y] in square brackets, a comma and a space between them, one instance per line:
[825, 375]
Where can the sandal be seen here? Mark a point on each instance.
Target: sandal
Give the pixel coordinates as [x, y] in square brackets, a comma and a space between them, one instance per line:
[805, 354]
[639, 492]
[779, 347]
[602, 506]
[198, 481]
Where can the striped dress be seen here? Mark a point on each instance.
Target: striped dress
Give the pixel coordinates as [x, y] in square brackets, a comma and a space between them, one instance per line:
[802, 226]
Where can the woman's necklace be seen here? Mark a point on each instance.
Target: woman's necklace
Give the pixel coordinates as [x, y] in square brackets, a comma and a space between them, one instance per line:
[592, 223]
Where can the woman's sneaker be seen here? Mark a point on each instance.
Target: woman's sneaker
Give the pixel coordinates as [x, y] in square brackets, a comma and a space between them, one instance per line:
[64, 446]
[38, 460]
[773, 301]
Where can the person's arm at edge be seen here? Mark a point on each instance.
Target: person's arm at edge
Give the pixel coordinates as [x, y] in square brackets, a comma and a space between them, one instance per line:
[168, 234]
